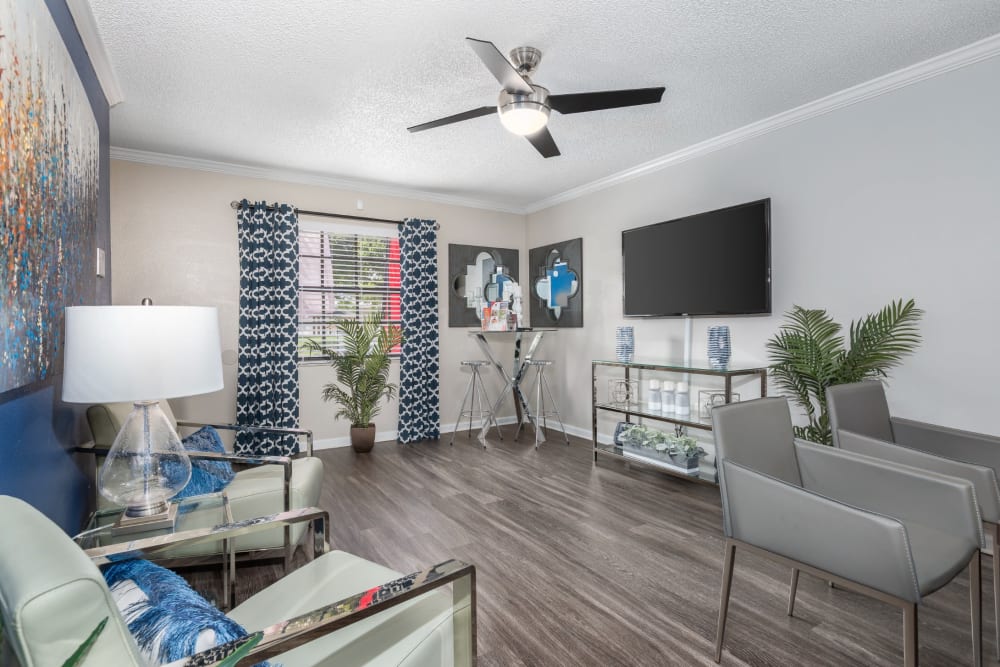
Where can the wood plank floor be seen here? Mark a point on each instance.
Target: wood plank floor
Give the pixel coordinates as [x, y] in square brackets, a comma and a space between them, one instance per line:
[604, 565]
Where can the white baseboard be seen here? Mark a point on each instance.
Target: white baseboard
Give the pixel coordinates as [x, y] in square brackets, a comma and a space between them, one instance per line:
[384, 436]
[345, 440]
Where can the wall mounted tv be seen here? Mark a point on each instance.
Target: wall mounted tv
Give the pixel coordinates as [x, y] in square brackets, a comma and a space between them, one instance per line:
[714, 263]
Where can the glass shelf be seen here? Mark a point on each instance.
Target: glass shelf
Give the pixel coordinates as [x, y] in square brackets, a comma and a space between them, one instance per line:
[637, 410]
[704, 369]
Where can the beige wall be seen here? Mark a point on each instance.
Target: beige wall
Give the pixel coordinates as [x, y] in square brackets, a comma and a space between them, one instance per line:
[892, 197]
[173, 238]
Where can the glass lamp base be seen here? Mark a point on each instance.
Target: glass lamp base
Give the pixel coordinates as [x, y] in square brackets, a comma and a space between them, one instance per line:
[146, 465]
[141, 511]
[140, 524]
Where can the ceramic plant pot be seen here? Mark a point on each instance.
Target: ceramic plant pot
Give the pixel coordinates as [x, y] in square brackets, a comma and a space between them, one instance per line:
[363, 438]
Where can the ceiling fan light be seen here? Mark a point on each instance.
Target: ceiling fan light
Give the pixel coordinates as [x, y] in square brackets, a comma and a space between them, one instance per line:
[523, 118]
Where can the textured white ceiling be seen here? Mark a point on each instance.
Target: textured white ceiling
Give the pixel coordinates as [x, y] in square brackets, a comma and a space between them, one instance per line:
[330, 87]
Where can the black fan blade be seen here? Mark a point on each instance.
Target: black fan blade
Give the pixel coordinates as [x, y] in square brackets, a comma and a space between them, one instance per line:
[608, 99]
[544, 143]
[447, 120]
[499, 66]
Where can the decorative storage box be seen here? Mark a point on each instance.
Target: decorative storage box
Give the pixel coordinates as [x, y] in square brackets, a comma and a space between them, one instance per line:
[709, 398]
[621, 391]
[660, 449]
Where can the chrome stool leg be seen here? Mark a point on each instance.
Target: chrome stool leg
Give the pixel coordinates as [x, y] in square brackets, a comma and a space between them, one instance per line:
[554, 412]
[461, 408]
[487, 412]
[472, 403]
[539, 407]
[543, 396]
[475, 393]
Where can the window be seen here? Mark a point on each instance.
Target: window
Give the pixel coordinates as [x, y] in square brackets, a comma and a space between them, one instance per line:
[346, 271]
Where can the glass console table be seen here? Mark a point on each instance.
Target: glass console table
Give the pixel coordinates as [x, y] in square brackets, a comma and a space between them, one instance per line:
[632, 407]
[193, 513]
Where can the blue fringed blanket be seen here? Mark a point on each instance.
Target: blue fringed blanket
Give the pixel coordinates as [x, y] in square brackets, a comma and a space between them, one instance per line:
[167, 618]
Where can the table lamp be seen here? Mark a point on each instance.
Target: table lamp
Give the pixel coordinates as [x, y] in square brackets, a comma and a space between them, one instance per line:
[142, 354]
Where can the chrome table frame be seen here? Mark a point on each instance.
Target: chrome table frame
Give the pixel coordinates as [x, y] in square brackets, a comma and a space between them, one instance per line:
[121, 541]
[288, 634]
[512, 382]
[288, 549]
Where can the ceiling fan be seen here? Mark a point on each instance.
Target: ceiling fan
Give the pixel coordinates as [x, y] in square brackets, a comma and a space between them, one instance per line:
[524, 107]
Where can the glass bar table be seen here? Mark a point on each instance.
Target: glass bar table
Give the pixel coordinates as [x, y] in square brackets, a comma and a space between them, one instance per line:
[523, 353]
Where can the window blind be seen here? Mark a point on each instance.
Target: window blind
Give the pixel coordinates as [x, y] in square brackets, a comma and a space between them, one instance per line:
[344, 275]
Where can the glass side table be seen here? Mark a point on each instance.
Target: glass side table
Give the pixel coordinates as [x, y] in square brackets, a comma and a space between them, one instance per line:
[194, 513]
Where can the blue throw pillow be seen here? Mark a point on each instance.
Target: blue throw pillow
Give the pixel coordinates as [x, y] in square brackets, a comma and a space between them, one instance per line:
[167, 618]
[206, 476]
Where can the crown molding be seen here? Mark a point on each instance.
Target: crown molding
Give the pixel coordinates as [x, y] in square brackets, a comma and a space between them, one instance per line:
[305, 178]
[961, 57]
[86, 25]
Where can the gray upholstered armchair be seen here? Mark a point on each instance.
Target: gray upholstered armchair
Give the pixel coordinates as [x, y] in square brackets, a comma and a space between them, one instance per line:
[891, 532]
[860, 421]
[335, 610]
[265, 485]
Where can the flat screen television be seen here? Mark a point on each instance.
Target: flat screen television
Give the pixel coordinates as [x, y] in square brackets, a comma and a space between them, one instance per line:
[714, 263]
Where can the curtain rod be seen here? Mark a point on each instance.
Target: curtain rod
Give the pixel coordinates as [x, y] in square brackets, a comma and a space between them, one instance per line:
[236, 205]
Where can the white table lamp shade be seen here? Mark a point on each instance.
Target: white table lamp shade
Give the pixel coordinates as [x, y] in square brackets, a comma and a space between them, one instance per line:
[140, 353]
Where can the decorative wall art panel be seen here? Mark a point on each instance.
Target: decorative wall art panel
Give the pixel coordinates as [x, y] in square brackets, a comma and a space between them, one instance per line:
[476, 275]
[557, 284]
[49, 171]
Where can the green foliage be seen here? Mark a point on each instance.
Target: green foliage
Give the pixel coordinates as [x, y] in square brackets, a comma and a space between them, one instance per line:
[808, 355]
[638, 435]
[80, 654]
[362, 368]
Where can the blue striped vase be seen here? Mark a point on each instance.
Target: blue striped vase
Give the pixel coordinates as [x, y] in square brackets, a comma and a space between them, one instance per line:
[719, 347]
[624, 344]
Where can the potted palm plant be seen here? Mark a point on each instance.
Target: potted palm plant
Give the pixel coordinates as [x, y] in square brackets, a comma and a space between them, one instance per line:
[362, 370]
[808, 355]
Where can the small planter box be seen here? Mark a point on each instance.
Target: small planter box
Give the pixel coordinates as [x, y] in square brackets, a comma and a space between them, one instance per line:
[676, 462]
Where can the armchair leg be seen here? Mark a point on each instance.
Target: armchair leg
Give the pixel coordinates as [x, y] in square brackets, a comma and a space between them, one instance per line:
[464, 630]
[791, 591]
[976, 605]
[289, 550]
[910, 634]
[727, 584]
[995, 533]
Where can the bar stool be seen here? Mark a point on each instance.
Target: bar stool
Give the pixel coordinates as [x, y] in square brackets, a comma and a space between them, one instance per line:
[481, 412]
[541, 413]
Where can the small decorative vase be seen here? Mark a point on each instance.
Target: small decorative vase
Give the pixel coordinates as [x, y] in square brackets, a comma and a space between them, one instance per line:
[624, 344]
[719, 347]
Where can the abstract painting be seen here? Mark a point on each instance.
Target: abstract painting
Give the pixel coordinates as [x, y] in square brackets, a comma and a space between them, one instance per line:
[557, 284]
[49, 171]
[476, 275]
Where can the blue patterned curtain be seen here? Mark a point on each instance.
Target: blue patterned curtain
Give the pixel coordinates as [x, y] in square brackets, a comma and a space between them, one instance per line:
[267, 384]
[419, 410]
